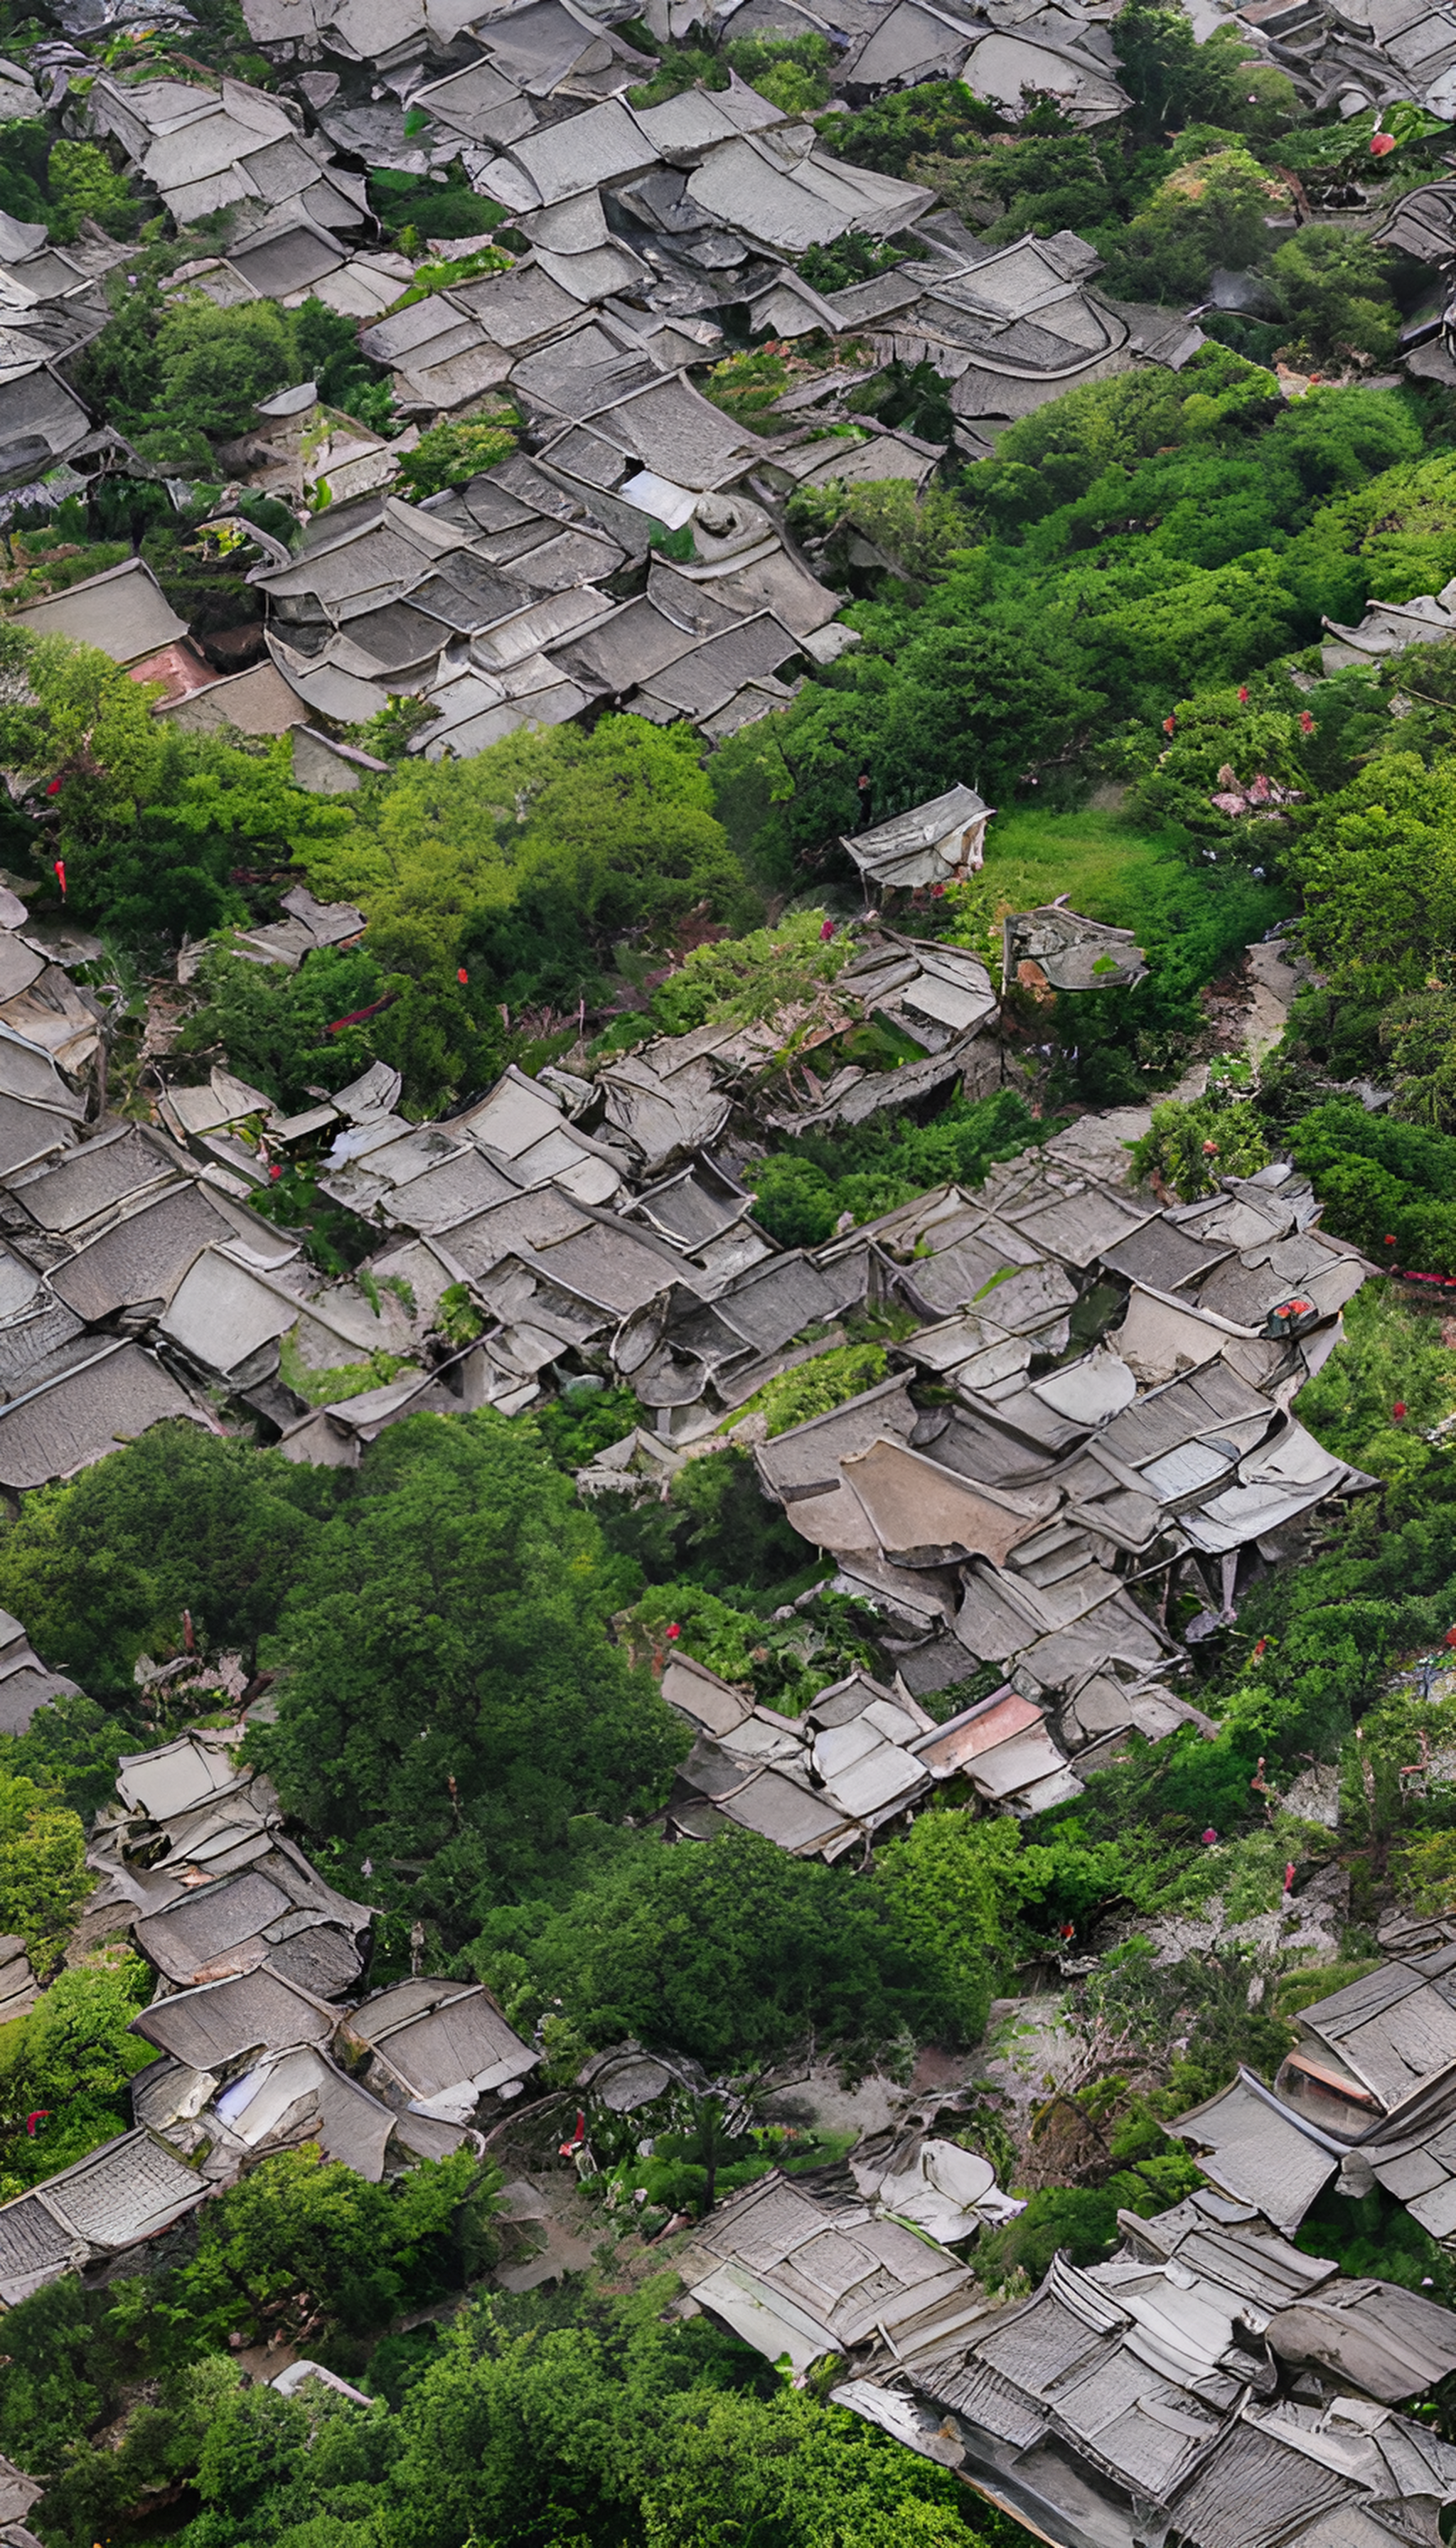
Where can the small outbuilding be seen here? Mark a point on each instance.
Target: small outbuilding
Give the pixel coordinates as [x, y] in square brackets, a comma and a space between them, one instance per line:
[940, 843]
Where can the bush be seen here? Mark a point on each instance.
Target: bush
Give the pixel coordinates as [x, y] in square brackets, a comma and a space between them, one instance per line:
[1078, 2221]
[67, 2066]
[872, 1168]
[84, 186]
[817, 1386]
[1042, 182]
[854, 257]
[938, 115]
[1209, 212]
[792, 72]
[1392, 1356]
[926, 534]
[1390, 1187]
[794, 1201]
[1192, 1146]
[43, 1866]
[450, 455]
[1333, 286]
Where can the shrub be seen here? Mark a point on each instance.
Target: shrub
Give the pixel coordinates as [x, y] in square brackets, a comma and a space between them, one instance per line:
[1209, 212]
[1191, 1146]
[1333, 289]
[450, 455]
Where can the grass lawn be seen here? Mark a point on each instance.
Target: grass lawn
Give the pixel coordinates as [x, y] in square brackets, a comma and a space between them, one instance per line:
[1114, 871]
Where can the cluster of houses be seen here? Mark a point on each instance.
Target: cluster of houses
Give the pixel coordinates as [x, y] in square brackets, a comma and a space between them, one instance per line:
[1085, 1447]
[1210, 2384]
[1109, 1432]
[635, 549]
[540, 591]
[1213, 2382]
[261, 2042]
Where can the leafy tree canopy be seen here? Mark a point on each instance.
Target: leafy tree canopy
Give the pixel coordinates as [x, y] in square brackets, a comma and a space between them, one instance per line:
[43, 1866]
[102, 1568]
[618, 823]
[451, 1697]
[64, 2068]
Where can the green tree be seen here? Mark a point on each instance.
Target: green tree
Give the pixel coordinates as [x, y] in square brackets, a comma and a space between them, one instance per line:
[1175, 79]
[151, 820]
[938, 116]
[273, 1026]
[600, 2431]
[1389, 1186]
[43, 1877]
[1392, 1356]
[215, 364]
[1043, 182]
[1378, 871]
[951, 1888]
[735, 1953]
[1210, 210]
[300, 2237]
[919, 532]
[613, 830]
[66, 2064]
[84, 186]
[1334, 288]
[451, 1696]
[180, 1519]
[1419, 1033]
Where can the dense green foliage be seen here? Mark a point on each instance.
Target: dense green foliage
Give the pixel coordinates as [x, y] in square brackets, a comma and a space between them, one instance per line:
[102, 1570]
[454, 1608]
[803, 1193]
[295, 2242]
[520, 2419]
[180, 364]
[64, 2067]
[63, 183]
[152, 821]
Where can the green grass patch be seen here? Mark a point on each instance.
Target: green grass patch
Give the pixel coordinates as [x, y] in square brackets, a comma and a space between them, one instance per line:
[1108, 865]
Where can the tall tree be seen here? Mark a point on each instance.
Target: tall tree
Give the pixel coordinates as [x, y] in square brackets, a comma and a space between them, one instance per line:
[451, 1695]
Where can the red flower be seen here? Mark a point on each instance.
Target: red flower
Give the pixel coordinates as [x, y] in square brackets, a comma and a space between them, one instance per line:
[1170, 725]
[1209, 1836]
[461, 974]
[826, 931]
[54, 788]
[938, 893]
[1211, 1149]
[1399, 1410]
[1307, 723]
[1380, 144]
[675, 1630]
[1261, 1647]
[275, 1171]
[1243, 697]
[1390, 1238]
